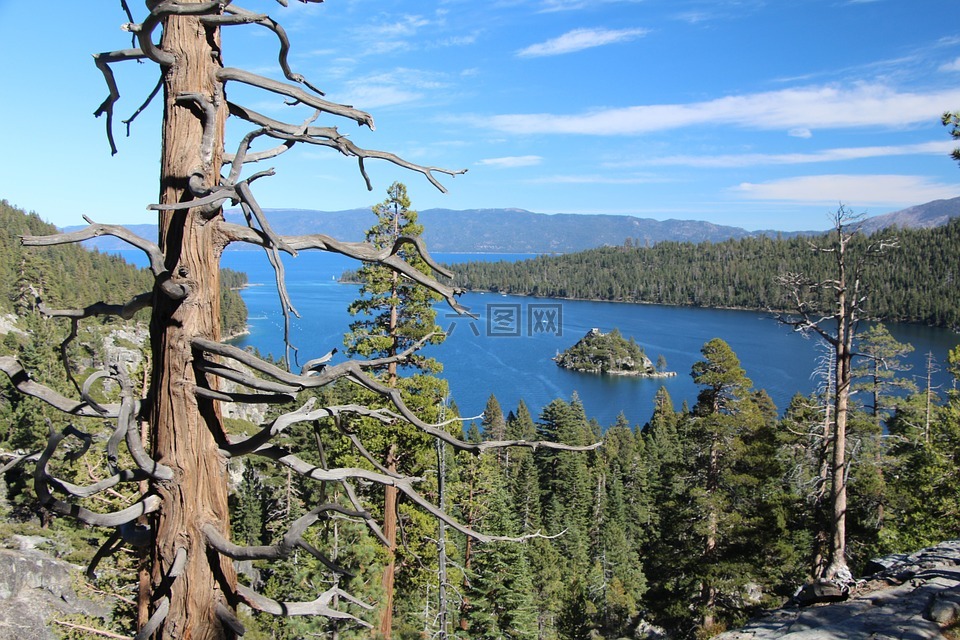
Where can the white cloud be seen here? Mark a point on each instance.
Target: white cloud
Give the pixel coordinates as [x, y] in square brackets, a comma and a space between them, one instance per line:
[857, 191]
[580, 39]
[403, 27]
[824, 107]
[800, 132]
[400, 85]
[373, 96]
[597, 179]
[760, 159]
[550, 6]
[951, 66]
[511, 161]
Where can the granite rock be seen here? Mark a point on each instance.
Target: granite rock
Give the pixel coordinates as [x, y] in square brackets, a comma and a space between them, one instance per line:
[907, 597]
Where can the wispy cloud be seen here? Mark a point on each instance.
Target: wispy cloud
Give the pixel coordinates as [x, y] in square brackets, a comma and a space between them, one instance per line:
[400, 85]
[951, 66]
[373, 96]
[857, 191]
[597, 179]
[580, 39]
[765, 159]
[510, 162]
[402, 27]
[825, 107]
[550, 6]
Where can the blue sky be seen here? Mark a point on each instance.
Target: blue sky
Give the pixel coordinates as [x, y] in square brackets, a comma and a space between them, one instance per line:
[743, 112]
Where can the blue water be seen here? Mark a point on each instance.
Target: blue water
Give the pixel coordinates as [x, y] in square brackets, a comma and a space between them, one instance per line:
[479, 357]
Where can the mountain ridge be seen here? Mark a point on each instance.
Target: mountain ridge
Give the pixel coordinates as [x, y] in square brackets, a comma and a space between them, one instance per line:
[513, 230]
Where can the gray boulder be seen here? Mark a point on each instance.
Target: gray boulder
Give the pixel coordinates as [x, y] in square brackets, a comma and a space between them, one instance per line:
[908, 597]
[34, 588]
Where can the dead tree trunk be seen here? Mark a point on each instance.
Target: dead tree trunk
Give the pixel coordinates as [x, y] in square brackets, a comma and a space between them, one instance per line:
[183, 425]
[188, 587]
[841, 401]
[844, 309]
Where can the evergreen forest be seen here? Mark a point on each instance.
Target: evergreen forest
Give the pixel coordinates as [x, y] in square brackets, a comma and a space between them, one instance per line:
[688, 524]
[615, 540]
[69, 277]
[917, 282]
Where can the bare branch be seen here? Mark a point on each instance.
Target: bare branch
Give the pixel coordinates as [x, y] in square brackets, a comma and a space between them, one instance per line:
[242, 16]
[19, 458]
[21, 380]
[306, 413]
[144, 104]
[353, 370]
[86, 629]
[230, 619]
[41, 478]
[228, 74]
[319, 607]
[403, 484]
[125, 311]
[243, 398]
[330, 137]
[94, 230]
[292, 539]
[156, 619]
[108, 548]
[366, 252]
[103, 62]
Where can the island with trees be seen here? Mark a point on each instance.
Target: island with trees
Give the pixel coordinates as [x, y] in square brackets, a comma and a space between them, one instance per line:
[612, 354]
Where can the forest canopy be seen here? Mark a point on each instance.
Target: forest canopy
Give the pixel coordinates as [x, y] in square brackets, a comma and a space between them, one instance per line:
[28, 273]
[915, 283]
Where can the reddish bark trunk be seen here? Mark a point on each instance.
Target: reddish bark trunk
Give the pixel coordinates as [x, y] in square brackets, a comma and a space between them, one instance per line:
[183, 428]
[390, 533]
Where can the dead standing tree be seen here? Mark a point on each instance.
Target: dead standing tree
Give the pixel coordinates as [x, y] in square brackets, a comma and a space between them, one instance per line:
[832, 310]
[189, 589]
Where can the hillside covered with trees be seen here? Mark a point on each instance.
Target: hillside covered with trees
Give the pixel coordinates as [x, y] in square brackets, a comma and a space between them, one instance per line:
[916, 282]
[691, 522]
[636, 546]
[69, 276]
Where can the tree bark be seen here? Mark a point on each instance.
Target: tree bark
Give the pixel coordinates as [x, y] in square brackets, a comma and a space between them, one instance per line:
[390, 533]
[183, 426]
[846, 317]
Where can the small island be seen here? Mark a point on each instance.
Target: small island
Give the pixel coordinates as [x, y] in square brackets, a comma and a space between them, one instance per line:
[612, 354]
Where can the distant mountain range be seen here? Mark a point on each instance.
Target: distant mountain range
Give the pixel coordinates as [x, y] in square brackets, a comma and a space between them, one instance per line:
[519, 231]
[923, 216]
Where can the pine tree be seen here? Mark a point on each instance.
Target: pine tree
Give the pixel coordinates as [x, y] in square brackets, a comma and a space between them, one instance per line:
[878, 374]
[396, 315]
[722, 512]
[923, 479]
[500, 590]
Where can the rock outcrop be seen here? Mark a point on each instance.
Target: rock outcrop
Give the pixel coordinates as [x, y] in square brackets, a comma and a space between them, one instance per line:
[35, 588]
[909, 597]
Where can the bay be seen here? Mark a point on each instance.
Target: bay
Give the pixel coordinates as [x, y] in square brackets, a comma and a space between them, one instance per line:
[507, 349]
[480, 358]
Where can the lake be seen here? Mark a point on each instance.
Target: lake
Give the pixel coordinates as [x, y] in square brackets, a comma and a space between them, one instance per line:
[508, 349]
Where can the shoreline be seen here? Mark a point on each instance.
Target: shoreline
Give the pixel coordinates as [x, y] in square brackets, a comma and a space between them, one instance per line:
[624, 374]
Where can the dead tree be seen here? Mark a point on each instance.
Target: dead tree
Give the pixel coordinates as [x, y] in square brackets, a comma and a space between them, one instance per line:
[832, 309]
[189, 588]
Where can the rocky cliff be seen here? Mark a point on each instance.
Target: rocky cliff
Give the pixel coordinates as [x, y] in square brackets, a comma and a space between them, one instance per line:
[909, 597]
[35, 590]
